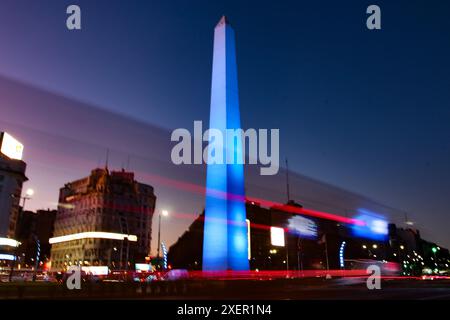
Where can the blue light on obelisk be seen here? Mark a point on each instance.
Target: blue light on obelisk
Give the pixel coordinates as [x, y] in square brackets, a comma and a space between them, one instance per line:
[225, 232]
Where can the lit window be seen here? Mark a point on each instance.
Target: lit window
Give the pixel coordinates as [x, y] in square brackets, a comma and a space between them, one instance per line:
[277, 236]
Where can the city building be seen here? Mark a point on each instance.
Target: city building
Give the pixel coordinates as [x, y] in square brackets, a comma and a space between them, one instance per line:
[103, 220]
[12, 177]
[34, 230]
[417, 256]
[274, 241]
[289, 238]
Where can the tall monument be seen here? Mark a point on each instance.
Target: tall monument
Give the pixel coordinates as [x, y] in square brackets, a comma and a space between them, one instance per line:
[225, 244]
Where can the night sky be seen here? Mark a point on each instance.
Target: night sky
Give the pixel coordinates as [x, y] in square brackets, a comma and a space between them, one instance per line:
[368, 111]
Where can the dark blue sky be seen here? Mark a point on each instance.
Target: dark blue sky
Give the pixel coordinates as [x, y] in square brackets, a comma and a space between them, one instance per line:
[365, 110]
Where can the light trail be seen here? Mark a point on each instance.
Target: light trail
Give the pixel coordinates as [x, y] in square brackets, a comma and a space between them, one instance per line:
[270, 204]
[91, 235]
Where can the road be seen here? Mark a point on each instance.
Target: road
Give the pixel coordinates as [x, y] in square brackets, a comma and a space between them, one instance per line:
[280, 289]
[329, 290]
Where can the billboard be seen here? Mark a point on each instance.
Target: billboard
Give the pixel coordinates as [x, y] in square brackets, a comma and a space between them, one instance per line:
[10, 147]
[143, 267]
[96, 270]
[277, 236]
[375, 226]
[304, 227]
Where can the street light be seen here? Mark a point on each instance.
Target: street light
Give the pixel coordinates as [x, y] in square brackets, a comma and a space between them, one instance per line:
[165, 213]
[28, 194]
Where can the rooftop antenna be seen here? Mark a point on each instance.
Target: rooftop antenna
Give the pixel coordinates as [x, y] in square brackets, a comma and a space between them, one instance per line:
[287, 181]
[407, 221]
[107, 158]
[128, 163]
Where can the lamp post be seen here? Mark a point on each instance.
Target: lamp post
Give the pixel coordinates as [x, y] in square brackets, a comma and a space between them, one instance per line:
[164, 213]
[287, 253]
[299, 255]
[28, 194]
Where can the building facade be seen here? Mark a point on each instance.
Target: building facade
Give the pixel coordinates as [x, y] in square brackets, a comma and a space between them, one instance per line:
[34, 229]
[103, 220]
[316, 243]
[12, 177]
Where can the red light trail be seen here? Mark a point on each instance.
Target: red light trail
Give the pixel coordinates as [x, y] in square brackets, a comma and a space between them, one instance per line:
[271, 204]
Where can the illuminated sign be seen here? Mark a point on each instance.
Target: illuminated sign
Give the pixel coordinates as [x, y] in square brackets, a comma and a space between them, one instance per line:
[164, 251]
[341, 254]
[90, 235]
[379, 226]
[8, 257]
[9, 242]
[132, 237]
[277, 236]
[375, 227]
[302, 226]
[143, 267]
[96, 270]
[10, 147]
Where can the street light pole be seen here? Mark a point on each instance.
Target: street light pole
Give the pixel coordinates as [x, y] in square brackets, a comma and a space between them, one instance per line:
[287, 252]
[127, 254]
[326, 253]
[159, 234]
[27, 196]
[299, 255]
[164, 213]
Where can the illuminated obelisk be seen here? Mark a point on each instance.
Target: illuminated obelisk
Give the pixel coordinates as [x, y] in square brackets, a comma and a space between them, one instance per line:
[225, 244]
